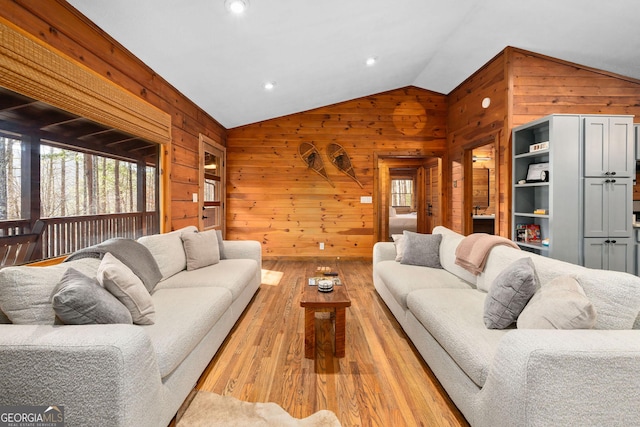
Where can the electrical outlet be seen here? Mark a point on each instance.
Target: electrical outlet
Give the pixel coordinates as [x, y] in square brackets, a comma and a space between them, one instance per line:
[322, 246]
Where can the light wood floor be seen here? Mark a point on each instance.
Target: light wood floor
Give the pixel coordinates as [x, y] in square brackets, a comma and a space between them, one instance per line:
[382, 381]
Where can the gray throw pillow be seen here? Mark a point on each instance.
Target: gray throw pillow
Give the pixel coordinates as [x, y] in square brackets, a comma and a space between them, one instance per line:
[118, 279]
[421, 249]
[509, 294]
[559, 304]
[201, 248]
[80, 300]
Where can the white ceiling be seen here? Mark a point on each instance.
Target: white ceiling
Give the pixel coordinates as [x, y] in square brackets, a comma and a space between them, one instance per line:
[315, 50]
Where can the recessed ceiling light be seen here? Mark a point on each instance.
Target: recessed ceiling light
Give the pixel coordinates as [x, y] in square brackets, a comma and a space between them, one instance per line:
[371, 61]
[269, 85]
[236, 6]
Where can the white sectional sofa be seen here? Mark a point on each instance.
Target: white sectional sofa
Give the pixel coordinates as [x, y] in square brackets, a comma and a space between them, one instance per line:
[514, 376]
[123, 374]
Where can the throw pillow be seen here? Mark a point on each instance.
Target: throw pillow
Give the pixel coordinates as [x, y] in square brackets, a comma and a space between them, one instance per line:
[559, 304]
[221, 244]
[421, 249]
[80, 300]
[509, 294]
[201, 248]
[398, 242]
[118, 279]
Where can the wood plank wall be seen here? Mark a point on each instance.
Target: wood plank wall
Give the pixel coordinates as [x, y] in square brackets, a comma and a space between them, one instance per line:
[470, 125]
[274, 198]
[58, 24]
[524, 86]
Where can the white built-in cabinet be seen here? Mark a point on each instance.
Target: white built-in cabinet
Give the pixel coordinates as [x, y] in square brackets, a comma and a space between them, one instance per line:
[584, 207]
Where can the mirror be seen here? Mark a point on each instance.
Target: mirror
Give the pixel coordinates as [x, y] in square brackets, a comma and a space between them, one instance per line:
[481, 193]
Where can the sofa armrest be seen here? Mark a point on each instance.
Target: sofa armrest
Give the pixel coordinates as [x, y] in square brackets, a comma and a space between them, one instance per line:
[97, 372]
[384, 251]
[559, 378]
[243, 249]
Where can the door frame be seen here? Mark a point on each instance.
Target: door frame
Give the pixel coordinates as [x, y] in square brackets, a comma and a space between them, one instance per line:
[467, 174]
[381, 179]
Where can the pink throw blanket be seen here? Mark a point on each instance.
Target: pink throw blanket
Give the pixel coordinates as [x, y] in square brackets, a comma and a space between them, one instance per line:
[473, 250]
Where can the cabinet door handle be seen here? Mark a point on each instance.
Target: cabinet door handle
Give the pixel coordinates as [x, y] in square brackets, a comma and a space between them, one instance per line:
[613, 180]
[613, 173]
[607, 241]
[613, 241]
[606, 181]
[606, 173]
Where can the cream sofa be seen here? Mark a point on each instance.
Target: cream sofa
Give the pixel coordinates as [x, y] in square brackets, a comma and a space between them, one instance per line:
[518, 377]
[124, 374]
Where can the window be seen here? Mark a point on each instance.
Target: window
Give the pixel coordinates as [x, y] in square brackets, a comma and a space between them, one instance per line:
[75, 183]
[402, 193]
[10, 178]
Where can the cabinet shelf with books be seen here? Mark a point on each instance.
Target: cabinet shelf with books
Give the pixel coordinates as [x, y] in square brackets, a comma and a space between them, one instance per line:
[545, 173]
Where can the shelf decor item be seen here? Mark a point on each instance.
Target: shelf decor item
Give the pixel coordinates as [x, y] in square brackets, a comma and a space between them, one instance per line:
[539, 146]
[340, 159]
[538, 172]
[311, 157]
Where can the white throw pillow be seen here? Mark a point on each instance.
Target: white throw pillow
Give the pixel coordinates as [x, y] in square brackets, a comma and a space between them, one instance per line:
[118, 279]
[398, 241]
[559, 304]
[201, 248]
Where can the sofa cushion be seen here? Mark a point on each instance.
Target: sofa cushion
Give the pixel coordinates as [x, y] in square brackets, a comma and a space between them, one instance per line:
[80, 300]
[168, 251]
[232, 274]
[25, 292]
[615, 296]
[448, 245]
[502, 256]
[509, 294]
[559, 304]
[454, 318]
[403, 279]
[118, 279]
[201, 248]
[421, 249]
[183, 318]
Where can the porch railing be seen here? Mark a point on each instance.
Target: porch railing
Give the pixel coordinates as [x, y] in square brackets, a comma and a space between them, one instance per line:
[65, 235]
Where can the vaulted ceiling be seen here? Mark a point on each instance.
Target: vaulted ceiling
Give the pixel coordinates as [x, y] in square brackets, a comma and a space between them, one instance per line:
[315, 50]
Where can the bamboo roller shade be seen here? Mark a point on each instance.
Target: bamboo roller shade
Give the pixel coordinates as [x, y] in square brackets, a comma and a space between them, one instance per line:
[29, 67]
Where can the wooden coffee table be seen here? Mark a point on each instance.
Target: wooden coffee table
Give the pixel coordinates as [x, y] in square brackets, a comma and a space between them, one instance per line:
[334, 302]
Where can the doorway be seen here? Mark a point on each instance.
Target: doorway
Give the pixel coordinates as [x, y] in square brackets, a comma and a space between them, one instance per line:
[408, 195]
[480, 190]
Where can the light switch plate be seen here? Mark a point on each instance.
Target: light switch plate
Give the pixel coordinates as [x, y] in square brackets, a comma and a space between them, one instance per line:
[195, 197]
[366, 199]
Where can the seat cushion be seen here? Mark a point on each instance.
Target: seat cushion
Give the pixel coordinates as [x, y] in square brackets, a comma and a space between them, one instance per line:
[231, 274]
[454, 318]
[183, 318]
[403, 279]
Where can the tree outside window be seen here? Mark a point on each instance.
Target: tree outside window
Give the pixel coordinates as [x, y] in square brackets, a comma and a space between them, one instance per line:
[402, 193]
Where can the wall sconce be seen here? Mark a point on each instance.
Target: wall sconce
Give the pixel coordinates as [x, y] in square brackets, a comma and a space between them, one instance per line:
[486, 102]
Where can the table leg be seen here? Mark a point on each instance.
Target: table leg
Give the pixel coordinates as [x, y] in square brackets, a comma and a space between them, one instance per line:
[309, 332]
[339, 333]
